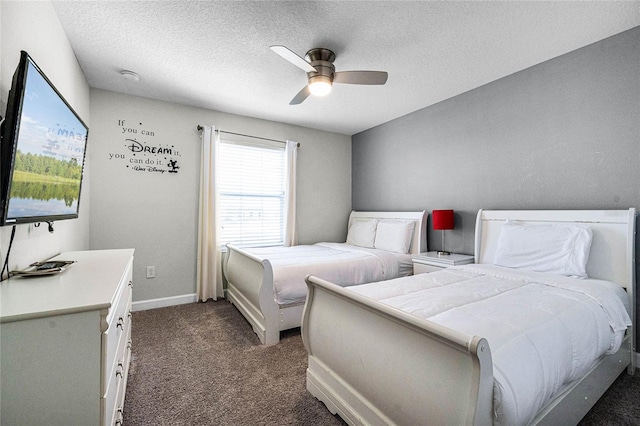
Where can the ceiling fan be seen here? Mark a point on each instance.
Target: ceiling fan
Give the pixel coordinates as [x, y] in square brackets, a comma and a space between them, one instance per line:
[321, 73]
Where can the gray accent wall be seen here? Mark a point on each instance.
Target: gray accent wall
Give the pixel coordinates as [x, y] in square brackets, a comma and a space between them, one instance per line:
[564, 134]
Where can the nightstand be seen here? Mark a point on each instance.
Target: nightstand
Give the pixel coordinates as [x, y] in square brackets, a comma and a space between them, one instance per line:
[431, 262]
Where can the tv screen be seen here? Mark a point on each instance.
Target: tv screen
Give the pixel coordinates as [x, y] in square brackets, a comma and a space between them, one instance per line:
[43, 150]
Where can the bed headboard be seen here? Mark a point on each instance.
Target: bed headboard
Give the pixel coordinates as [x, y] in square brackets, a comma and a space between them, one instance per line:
[419, 239]
[612, 254]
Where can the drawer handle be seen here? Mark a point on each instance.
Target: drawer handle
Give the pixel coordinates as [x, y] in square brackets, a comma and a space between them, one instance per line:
[120, 324]
[119, 369]
[119, 418]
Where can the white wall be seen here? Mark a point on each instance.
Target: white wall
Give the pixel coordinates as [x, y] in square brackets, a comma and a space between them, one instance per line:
[34, 27]
[156, 213]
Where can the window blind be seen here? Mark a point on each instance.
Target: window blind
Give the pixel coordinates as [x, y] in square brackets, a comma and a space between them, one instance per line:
[251, 192]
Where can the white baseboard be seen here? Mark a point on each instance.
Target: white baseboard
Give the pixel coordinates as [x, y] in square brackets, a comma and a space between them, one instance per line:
[163, 302]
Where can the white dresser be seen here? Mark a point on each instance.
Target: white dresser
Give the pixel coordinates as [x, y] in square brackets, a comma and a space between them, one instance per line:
[65, 342]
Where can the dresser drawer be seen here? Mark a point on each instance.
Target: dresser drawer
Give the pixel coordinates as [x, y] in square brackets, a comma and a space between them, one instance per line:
[111, 398]
[420, 268]
[114, 336]
[433, 261]
[114, 395]
[122, 388]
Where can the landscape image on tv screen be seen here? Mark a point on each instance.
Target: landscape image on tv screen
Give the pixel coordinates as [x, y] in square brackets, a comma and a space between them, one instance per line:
[49, 154]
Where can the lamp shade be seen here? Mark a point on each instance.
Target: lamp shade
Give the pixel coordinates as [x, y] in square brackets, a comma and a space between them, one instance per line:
[442, 219]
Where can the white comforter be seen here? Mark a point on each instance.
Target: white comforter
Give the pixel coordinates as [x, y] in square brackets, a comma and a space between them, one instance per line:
[544, 330]
[340, 263]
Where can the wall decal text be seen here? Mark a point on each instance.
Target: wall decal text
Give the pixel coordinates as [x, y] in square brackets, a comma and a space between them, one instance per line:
[140, 153]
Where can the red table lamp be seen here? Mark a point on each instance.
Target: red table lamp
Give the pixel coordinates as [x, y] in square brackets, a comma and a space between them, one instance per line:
[442, 220]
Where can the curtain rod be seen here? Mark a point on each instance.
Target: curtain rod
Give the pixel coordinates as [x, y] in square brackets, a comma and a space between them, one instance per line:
[247, 136]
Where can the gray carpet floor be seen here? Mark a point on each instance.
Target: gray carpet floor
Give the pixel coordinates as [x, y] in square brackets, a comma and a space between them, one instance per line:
[201, 364]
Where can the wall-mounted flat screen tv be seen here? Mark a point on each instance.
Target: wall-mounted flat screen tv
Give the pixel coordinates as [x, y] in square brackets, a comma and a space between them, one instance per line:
[42, 151]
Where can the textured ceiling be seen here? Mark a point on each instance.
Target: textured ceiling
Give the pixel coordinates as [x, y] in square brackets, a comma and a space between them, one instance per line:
[215, 54]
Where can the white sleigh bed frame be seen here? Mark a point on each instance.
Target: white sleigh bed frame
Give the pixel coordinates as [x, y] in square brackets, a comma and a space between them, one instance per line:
[250, 281]
[373, 364]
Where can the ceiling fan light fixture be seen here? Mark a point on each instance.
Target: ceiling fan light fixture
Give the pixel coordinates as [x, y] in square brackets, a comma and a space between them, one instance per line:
[321, 73]
[320, 85]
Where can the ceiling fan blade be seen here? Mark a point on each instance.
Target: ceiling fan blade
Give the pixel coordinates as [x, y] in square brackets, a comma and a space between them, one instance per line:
[360, 77]
[293, 58]
[301, 96]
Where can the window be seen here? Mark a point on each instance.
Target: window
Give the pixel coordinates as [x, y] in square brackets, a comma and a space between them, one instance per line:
[252, 196]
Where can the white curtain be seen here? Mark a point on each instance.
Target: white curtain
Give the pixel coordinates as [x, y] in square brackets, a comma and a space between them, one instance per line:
[209, 266]
[291, 234]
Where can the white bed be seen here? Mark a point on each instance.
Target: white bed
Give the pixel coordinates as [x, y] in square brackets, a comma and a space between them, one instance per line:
[374, 363]
[267, 284]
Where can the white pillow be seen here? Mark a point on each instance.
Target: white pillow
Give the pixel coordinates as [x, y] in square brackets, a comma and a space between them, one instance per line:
[394, 235]
[362, 233]
[556, 249]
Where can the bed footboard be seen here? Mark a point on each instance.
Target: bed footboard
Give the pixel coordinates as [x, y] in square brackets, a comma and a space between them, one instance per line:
[250, 289]
[364, 355]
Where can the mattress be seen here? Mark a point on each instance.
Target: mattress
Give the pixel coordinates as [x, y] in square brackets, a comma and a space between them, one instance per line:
[341, 263]
[544, 330]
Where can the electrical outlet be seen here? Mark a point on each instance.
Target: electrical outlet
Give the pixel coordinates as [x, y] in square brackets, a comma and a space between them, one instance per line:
[151, 271]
